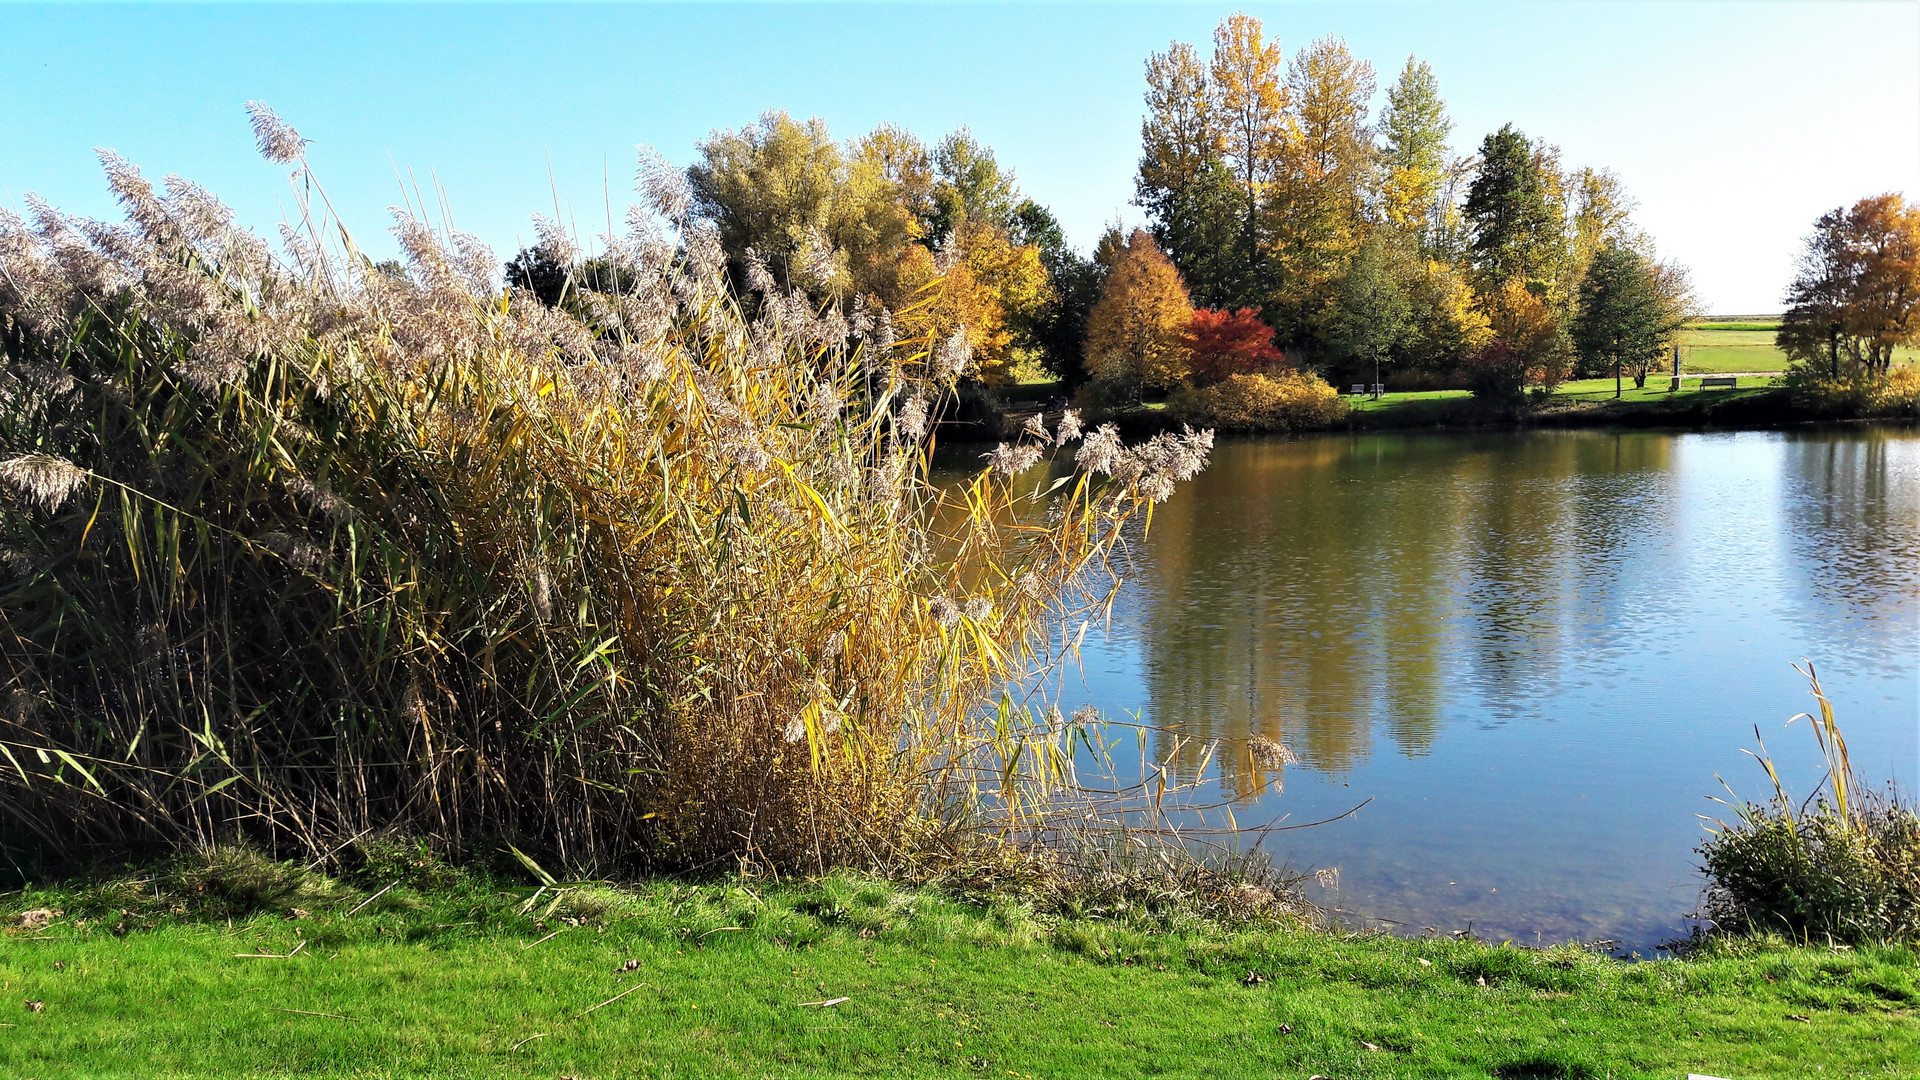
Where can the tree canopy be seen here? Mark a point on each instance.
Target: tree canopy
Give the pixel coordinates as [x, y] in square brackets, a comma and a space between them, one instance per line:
[1856, 297]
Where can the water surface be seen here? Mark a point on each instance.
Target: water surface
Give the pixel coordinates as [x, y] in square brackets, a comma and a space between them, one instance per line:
[1532, 651]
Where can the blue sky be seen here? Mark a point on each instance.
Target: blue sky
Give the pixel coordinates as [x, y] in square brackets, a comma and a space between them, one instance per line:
[1734, 123]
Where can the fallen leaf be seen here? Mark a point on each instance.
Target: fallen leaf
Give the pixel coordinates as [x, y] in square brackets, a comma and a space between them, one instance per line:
[1802, 1019]
[1286, 1029]
[1253, 979]
[299, 913]
[35, 919]
[1365, 1045]
[1480, 980]
[1424, 962]
[630, 965]
[36, 1006]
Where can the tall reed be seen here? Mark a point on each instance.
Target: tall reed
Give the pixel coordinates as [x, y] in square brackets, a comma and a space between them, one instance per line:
[302, 547]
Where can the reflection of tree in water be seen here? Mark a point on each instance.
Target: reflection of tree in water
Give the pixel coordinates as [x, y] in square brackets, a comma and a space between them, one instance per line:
[1853, 505]
[1305, 591]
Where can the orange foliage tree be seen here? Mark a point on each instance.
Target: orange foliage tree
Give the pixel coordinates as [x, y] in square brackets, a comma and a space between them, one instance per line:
[1222, 342]
[1857, 296]
[1137, 333]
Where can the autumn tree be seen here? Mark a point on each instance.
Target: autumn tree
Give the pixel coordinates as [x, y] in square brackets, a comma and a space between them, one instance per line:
[989, 287]
[1222, 343]
[1856, 296]
[1602, 216]
[1413, 150]
[1448, 325]
[1621, 322]
[1136, 334]
[1249, 102]
[1317, 213]
[1515, 230]
[972, 185]
[1527, 345]
[775, 187]
[1192, 195]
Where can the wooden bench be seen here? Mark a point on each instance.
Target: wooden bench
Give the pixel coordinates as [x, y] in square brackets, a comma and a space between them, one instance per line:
[1718, 380]
[1359, 388]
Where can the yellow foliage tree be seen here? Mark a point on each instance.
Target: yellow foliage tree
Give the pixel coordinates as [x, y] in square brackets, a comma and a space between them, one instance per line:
[1136, 334]
[988, 279]
[1449, 325]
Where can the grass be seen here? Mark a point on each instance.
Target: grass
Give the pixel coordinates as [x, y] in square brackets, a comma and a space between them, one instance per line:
[1744, 344]
[670, 979]
[1580, 391]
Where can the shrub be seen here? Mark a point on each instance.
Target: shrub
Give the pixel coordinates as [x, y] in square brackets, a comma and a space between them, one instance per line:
[1848, 870]
[1816, 876]
[1858, 394]
[1288, 401]
[1897, 393]
[302, 549]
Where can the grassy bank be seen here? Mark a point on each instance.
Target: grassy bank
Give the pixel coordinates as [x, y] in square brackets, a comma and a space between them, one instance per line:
[668, 979]
[1754, 402]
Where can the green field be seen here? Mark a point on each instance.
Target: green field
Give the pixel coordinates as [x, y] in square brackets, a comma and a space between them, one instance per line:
[1738, 344]
[1744, 343]
[853, 977]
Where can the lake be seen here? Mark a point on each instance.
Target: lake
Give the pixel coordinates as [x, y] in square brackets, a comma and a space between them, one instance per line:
[1532, 651]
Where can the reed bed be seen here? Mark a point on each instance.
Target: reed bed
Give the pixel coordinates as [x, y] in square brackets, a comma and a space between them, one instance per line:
[304, 549]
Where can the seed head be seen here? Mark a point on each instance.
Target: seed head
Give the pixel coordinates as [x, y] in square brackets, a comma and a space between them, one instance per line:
[912, 421]
[1269, 754]
[1102, 451]
[42, 479]
[954, 354]
[1013, 460]
[1069, 428]
[664, 186]
[944, 611]
[279, 143]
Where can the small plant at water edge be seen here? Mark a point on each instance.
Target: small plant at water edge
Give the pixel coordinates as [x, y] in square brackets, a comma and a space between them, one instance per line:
[1841, 866]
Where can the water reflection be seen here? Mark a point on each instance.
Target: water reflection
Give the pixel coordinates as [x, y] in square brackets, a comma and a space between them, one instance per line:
[1315, 592]
[1533, 650]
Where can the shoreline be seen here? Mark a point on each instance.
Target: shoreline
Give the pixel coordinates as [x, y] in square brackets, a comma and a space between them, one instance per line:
[1758, 408]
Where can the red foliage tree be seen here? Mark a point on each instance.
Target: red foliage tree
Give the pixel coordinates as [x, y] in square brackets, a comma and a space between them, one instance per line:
[1225, 343]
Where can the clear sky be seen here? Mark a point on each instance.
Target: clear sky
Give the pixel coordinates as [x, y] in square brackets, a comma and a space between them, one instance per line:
[1734, 123]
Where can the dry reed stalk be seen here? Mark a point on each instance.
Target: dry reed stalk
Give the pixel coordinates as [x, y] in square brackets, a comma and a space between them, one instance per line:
[312, 548]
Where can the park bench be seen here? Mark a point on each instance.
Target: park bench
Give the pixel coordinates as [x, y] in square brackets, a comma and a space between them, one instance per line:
[1359, 388]
[1718, 380]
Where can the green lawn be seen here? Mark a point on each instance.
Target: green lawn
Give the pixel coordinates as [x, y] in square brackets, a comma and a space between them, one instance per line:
[1581, 391]
[730, 981]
